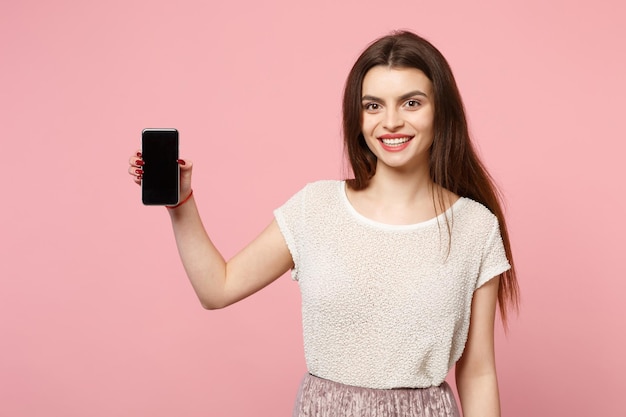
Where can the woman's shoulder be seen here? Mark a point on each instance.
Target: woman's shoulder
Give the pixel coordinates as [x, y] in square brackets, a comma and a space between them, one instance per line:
[320, 190]
[320, 187]
[326, 184]
[476, 212]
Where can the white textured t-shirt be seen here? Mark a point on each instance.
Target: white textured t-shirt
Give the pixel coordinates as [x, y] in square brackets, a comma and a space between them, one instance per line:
[386, 306]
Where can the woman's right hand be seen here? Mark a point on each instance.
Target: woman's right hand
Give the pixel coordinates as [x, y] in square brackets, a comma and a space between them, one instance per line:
[136, 170]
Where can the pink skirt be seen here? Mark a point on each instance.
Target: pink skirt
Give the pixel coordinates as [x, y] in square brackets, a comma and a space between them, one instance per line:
[319, 397]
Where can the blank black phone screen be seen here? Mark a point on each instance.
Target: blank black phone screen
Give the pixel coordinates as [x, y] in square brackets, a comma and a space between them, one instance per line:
[159, 150]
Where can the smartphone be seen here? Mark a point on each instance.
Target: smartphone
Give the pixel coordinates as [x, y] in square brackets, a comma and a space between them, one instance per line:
[161, 173]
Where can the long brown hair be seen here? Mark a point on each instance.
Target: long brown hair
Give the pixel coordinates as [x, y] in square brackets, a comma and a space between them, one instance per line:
[454, 164]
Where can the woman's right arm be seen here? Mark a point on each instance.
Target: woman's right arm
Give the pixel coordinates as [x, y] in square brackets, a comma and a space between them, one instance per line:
[218, 283]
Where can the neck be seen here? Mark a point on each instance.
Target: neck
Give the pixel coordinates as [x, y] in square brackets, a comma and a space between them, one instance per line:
[396, 197]
[399, 187]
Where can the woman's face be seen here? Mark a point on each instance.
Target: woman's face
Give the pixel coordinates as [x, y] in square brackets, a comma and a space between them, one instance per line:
[397, 116]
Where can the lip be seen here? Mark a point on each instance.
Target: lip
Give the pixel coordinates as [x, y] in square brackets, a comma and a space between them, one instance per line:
[395, 136]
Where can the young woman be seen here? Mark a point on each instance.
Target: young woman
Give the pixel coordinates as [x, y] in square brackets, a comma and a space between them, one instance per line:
[400, 267]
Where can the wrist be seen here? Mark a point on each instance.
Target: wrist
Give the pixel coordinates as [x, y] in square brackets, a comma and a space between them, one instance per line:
[181, 202]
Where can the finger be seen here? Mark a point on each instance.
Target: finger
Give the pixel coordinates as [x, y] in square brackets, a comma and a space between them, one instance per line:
[185, 164]
[135, 171]
[135, 161]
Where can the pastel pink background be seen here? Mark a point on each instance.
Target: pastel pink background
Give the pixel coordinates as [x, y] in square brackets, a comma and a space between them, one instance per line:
[96, 315]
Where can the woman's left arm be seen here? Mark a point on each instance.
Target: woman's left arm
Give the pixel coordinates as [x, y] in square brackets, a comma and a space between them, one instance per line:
[476, 379]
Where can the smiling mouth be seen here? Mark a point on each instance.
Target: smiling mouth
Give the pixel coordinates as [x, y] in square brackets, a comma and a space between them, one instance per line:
[395, 141]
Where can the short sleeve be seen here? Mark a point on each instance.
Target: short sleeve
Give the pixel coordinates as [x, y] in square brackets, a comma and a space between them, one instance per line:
[290, 218]
[494, 261]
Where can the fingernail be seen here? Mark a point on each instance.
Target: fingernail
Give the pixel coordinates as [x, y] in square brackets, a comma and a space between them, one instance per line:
[138, 171]
[181, 161]
[139, 154]
[139, 162]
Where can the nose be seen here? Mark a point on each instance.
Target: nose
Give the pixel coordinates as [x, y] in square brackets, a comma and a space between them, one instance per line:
[393, 119]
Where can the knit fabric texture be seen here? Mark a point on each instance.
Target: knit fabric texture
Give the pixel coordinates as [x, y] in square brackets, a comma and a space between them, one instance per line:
[386, 306]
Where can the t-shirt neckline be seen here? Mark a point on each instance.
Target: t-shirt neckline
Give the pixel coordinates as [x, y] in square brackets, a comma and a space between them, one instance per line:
[453, 209]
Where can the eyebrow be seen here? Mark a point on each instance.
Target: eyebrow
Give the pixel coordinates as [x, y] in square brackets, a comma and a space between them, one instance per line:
[402, 97]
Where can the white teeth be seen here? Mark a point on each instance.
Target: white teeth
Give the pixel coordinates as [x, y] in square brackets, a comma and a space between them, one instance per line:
[395, 142]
